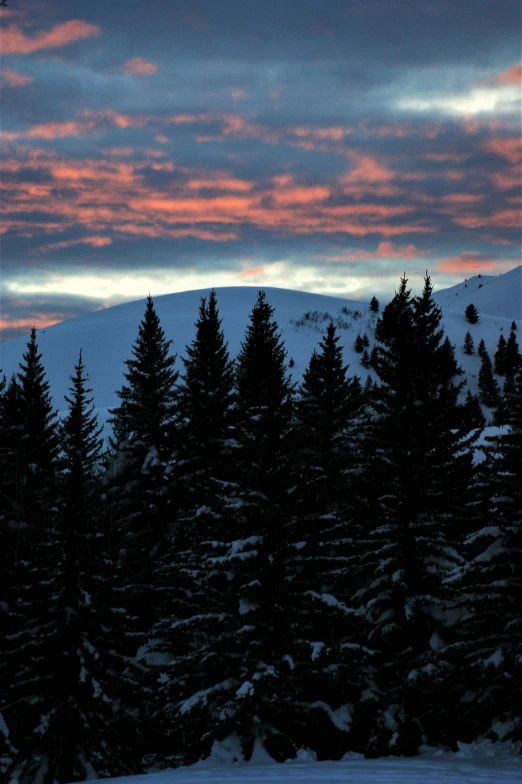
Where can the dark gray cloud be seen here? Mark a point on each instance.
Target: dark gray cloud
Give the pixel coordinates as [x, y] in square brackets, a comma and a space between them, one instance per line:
[339, 139]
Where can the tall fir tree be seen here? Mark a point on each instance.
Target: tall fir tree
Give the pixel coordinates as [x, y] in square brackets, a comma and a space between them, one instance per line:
[195, 594]
[327, 676]
[421, 463]
[35, 506]
[500, 356]
[486, 657]
[243, 668]
[140, 502]
[489, 391]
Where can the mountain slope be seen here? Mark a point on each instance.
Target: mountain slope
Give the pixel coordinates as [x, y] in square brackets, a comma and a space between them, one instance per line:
[106, 336]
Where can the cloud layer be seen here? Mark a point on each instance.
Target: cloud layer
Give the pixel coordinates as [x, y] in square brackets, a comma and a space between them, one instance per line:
[314, 145]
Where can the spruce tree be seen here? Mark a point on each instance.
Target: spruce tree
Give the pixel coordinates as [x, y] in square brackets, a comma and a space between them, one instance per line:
[194, 592]
[246, 664]
[374, 305]
[471, 314]
[500, 356]
[469, 346]
[487, 654]
[488, 386]
[421, 463]
[513, 360]
[139, 501]
[35, 506]
[326, 677]
[358, 345]
[482, 351]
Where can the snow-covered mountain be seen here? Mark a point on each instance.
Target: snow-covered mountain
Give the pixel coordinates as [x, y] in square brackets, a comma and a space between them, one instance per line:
[106, 336]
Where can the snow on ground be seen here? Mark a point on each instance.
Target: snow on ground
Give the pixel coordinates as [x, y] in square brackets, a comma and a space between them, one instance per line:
[106, 336]
[484, 763]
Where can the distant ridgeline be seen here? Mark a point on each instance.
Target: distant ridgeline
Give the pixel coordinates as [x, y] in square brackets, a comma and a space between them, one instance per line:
[317, 564]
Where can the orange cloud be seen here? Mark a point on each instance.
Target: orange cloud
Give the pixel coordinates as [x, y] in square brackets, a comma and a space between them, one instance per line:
[462, 198]
[472, 262]
[511, 75]
[14, 79]
[96, 242]
[237, 93]
[385, 250]
[14, 40]
[510, 148]
[138, 66]
[252, 272]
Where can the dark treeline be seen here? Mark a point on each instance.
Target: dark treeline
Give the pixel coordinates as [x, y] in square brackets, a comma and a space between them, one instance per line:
[319, 565]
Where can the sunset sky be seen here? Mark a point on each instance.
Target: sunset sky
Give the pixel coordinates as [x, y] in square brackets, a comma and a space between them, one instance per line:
[319, 145]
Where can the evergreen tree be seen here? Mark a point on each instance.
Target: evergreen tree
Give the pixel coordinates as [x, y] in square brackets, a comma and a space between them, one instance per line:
[482, 351]
[328, 677]
[472, 414]
[513, 326]
[471, 314]
[359, 345]
[469, 347]
[366, 340]
[513, 360]
[487, 655]
[421, 463]
[140, 505]
[488, 387]
[34, 505]
[82, 724]
[189, 629]
[365, 359]
[500, 356]
[374, 305]
[242, 668]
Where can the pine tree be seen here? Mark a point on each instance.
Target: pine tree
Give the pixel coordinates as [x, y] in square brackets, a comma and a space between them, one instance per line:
[139, 504]
[365, 360]
[471, 314]
[469, 347]
[374, 305]
[472, 414]
[513, 326]
[366, 340]
[487, 656]
[488, 387]
[421, 464]
[190, 624]
[513, 360]
[245, 664]
[482, 351]
[31, 637]
[500, 356]
[82, 728]
[358, 345]
[328, 677]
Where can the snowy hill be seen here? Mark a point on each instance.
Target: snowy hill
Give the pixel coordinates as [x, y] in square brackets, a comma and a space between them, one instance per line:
[106, 336]
[499, 295]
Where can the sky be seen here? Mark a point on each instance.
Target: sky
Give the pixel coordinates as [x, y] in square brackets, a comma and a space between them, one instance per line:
[321, 145]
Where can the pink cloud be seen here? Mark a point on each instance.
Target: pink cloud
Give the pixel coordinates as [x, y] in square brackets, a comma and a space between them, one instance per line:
[14, 79]
[15, 41]
[510, 148]
[138, 66]
[95, 242]
[511, 75]
[385, 250]
[472, 262]
[251, 272]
